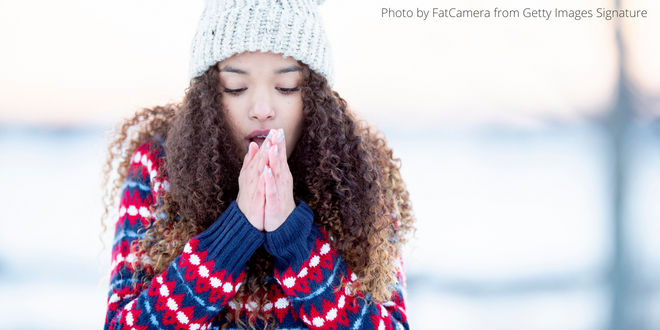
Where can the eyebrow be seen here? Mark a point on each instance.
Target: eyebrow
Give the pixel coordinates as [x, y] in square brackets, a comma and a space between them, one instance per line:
[229, 68]
[293, 68]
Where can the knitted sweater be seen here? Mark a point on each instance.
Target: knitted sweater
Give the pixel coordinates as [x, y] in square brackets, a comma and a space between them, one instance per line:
[202, 281]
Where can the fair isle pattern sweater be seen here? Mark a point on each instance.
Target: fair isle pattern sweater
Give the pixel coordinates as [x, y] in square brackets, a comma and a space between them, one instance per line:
[202, 281]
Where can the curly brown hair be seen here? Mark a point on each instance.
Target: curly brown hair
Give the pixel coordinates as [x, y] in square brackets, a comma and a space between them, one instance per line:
[341, 166]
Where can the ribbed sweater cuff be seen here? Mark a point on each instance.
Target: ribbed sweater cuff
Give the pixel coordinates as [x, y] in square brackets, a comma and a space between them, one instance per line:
[289, 243]
[231, 240]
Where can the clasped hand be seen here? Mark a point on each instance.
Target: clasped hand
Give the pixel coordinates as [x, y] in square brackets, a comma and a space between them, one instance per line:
[265, 184]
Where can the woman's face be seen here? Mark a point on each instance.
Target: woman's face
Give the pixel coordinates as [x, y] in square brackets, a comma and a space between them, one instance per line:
[261, 91]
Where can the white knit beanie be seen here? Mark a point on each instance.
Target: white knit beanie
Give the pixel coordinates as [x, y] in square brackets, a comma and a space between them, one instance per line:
[288, 27]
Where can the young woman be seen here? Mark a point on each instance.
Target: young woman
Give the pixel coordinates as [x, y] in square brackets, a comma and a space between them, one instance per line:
[259, 201]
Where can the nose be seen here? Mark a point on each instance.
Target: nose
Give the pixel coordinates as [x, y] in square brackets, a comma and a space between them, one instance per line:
[262, 109]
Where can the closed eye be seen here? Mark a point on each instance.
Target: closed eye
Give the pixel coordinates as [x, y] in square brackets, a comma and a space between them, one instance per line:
[284, 91]
[234, 92]
[287, 91]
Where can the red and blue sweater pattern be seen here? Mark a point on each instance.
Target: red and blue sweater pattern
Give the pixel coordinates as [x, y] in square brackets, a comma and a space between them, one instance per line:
[195, 288]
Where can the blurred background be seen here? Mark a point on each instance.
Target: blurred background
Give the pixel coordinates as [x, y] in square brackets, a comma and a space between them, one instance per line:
[530, 147]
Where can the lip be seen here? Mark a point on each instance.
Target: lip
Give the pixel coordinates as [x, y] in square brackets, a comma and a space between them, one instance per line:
[258, 132]
[254, 136]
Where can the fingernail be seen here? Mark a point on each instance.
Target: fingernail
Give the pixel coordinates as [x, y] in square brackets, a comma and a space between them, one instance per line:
[270, 133]
[265, 169]
[279, 138]
[275, 150]
[267, 143]
[270, 172]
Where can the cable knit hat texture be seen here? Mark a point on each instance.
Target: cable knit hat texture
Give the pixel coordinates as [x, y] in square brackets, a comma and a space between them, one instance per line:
[288, 27]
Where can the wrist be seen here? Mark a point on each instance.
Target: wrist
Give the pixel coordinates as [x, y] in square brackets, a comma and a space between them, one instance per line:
[289, 242]
[271, 226]
[231, 240]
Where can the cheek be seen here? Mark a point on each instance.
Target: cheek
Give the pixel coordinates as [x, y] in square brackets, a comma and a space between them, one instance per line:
[297, 123]
[230, 118]
[232, 109]
[227, 103]
[233, 120]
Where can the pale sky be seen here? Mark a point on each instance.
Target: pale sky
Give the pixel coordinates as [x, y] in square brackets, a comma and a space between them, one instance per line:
[81, 62]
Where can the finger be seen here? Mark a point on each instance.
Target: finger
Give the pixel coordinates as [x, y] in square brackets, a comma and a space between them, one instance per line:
[252, 150]
[272, 136]
[281, 142]
[274, 161]
[257, 164]
[279, 136]
[252, 169]
[271, 140]
[253, 154]
[258, 196]
[261, 198]
[263, 156]
[272, 201]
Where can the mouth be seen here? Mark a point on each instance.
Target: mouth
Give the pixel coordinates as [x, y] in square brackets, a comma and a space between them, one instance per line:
[258, 140]
[257, 136]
